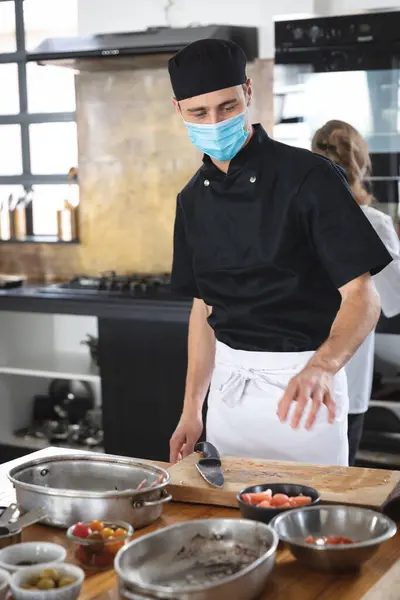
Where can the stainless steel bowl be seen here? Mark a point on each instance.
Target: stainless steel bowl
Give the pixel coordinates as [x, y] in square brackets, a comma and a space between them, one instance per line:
[209, 559]
[369, 528]
[84, 487]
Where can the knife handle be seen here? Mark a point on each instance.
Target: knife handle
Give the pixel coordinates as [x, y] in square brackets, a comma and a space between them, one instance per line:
[207, 450]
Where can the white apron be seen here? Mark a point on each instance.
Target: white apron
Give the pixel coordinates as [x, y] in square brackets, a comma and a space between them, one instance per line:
[359, 372]
[245, 391]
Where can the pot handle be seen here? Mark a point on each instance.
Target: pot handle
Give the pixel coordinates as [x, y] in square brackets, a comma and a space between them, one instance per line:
[125, 593]
[162, 500]
[166, 497]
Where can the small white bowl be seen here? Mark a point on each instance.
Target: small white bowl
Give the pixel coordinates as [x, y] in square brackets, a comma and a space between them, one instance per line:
[4, 583]
[70, 592]
[39, 553]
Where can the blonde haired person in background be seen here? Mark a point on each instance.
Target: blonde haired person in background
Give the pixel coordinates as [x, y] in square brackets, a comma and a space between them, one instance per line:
[344, 145]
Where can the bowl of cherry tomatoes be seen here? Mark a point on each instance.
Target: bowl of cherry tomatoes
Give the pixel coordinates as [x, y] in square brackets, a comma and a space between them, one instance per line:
[98, 542]
[264, 502]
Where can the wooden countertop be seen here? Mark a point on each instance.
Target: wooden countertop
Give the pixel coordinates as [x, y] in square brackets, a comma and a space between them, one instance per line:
[379, 579]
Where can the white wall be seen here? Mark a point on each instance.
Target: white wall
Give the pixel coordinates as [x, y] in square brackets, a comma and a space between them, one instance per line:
[103, 16]
[339, 7]
[106, 16]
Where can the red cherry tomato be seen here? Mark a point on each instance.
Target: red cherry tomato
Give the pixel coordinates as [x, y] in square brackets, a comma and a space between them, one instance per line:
[81, 530]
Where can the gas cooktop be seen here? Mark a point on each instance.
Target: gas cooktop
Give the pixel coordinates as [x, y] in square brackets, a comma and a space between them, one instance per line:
[112, 284]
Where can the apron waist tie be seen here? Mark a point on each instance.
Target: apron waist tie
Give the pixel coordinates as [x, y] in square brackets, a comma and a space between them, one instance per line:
[233, 389]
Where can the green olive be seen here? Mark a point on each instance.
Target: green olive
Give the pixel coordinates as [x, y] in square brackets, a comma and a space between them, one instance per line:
[46, 584]
[64, 581]
[49, 574]
[33, 581]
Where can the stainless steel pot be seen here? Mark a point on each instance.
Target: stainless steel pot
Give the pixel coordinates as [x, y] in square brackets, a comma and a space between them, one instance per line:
[76, 488]
[209, 559]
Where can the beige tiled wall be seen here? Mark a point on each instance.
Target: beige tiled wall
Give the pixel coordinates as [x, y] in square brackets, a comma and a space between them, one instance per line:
[134, 156]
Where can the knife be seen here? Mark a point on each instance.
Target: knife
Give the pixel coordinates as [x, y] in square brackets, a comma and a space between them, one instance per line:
[210, 467]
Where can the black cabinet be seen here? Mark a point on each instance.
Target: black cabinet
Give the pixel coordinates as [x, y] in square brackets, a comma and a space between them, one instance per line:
[143, 368]
[8, 452]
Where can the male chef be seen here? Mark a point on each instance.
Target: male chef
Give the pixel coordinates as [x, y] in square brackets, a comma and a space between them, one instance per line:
[278, 258]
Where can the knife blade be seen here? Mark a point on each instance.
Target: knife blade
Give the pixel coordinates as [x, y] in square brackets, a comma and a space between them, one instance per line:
[210, 467]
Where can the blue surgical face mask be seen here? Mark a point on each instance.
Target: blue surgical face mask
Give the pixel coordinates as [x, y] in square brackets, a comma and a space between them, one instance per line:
[222, 141]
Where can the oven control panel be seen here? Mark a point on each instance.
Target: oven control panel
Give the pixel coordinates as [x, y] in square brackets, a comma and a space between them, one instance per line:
[337, 31]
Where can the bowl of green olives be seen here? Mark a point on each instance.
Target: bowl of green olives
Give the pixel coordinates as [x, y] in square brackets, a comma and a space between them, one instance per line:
[58, 581]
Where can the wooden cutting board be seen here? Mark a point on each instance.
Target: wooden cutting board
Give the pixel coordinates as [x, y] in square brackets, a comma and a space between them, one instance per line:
[341, 485]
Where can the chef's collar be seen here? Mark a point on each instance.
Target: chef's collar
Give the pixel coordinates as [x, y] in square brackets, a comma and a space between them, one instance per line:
[237, 163]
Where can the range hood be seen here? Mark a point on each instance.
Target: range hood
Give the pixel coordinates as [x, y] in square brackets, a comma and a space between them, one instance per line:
[76, 52]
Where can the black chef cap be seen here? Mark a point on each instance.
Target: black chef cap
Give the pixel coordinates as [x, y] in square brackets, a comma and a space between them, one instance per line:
[206, 66]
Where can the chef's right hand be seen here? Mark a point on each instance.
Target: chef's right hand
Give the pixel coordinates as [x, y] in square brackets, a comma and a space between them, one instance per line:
[185, 437]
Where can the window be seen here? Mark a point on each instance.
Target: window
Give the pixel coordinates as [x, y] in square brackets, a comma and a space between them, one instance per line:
[38, 138]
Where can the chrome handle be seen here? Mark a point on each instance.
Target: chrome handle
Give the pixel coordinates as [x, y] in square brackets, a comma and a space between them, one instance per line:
[8, 513]
[134, 595]
[166, 497]
[162, 500]
[30, 518]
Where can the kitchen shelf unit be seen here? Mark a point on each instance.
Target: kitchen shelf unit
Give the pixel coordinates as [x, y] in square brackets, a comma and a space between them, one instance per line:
[35, 349]
[59, 365]
[39, 444]
[47, 345]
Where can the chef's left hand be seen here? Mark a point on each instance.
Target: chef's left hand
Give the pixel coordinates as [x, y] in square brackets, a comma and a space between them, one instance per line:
[311, 383]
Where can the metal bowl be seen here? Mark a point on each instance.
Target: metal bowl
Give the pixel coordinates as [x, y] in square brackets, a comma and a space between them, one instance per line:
[209, 559]
[368, 527]
[265, 515]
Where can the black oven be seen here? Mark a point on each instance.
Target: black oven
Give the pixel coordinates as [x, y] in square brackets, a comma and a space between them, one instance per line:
[346, 68]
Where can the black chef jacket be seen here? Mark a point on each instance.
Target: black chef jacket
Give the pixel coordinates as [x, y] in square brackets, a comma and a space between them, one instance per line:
[268, 244]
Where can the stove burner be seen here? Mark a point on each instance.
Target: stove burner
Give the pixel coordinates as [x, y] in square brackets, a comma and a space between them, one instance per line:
[113, 284]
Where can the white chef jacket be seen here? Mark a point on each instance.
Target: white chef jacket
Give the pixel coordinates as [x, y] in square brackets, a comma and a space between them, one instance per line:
[387, 281]
[359, 369]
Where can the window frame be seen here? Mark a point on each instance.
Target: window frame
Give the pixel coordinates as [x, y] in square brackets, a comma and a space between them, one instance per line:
[24, 118]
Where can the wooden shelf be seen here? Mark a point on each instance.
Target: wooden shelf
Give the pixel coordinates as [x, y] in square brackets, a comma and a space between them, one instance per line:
[57, 365]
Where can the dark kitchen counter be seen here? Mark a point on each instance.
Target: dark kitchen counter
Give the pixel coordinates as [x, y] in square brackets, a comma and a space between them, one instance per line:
[29, 298]
[165, 306]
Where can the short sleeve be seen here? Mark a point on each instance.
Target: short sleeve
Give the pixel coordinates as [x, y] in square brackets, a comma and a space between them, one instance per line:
[345, 241]
[182, 278]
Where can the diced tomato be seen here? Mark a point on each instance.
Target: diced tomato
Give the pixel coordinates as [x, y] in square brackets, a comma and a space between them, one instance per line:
[297, 501]
[256, 498]
[81, 530]
[278, 500]
[338, 540]
[335, 540]
[310, 540]
[264, 504]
